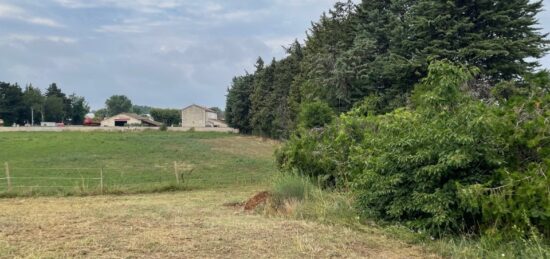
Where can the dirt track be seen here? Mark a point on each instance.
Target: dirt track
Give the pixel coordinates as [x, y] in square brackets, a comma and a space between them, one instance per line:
[178, 225]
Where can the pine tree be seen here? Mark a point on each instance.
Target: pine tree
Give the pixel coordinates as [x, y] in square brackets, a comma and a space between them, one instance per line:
[238, 106]
[262, 114]
[499, 37]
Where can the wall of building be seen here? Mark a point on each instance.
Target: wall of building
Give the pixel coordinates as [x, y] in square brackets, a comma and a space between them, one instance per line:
[193, 117]
[211, 115]
[110, 122]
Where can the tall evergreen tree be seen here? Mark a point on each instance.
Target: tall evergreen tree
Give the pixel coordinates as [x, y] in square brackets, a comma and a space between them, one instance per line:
[11, 104]
[500, 37]
[262, 115]
[280, 101]
[239, 107]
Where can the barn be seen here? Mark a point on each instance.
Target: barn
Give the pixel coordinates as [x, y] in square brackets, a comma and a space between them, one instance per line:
[129, 119]
[200, 117]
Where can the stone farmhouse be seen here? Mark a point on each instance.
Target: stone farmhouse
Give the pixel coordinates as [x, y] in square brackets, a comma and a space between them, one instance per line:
[129, 119]
[200, 117]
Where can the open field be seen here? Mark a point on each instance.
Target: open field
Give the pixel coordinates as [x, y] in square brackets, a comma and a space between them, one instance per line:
[77, 163]
[193, 224]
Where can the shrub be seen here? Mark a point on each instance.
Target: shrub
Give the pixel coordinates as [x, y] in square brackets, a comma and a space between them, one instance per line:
[288, 187]
[315, 115]
[163, 127]
[446, 163]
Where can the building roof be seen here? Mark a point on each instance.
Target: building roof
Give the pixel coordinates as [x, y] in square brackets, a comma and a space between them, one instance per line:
[200, 107]
[141, 118]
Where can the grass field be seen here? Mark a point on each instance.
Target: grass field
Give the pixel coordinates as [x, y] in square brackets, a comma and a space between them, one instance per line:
[190, 223]
[73, 163]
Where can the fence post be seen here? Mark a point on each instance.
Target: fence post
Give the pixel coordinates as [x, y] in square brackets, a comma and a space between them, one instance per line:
[101, 180]
[8, 178]
[176, 172]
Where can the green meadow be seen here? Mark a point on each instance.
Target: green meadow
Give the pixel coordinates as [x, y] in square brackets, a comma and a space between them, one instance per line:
[83, 163]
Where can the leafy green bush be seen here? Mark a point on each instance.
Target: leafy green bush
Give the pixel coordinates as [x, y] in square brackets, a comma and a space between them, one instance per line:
[446, 163]
[315, 115]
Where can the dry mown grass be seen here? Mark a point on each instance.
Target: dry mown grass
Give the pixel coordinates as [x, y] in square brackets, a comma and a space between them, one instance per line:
[182, 225]
[243, 146]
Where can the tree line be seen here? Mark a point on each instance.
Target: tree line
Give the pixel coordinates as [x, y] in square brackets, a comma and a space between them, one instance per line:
[379, 49]
[20, 106]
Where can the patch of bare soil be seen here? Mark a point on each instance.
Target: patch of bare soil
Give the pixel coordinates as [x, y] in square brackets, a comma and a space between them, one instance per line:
[257, 200]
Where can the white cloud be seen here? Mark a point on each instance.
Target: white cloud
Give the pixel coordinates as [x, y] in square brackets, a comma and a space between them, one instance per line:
[27, 38]
[146, 6]
[44, 22]
[16, 13]
[60, 39]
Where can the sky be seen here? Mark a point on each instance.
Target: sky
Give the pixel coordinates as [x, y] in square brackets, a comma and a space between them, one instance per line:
[161, 53]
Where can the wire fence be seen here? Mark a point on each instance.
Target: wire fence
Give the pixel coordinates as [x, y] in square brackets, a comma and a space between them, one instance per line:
[104, 180]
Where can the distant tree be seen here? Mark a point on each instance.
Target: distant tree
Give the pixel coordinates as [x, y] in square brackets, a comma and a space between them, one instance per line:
[118, 104]
[79, 109]
[11, 104]
[54, 113]
[101, 114]
[54, 109]
[33, 101]
[141, 109]
[168, 117]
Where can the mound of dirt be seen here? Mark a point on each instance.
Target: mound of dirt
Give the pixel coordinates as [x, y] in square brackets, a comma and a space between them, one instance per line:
[257, 200]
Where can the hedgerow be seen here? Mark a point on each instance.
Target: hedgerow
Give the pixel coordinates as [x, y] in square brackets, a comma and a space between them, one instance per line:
[448, 162]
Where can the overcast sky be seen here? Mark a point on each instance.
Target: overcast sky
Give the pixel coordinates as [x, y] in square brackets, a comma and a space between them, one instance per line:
[162, 53]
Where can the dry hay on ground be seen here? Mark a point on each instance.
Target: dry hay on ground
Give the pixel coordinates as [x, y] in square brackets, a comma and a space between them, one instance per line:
[175, 225]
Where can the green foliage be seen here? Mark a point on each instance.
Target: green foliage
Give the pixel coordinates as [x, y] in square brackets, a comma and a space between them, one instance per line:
[290, 187]
[117, 104]
[315, 115]
[79, 109]
[18, 106]
[54, 109]
[101, 114]
[447, 163]
[167, 116]
[380, 49]
[34, 101]
[238, 104]
[11, 104]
